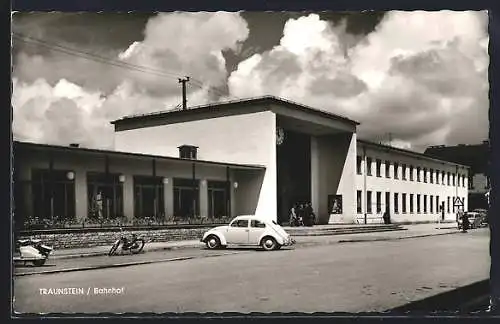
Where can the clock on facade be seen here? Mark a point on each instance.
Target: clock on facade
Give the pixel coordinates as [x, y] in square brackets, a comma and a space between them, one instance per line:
[280, 135]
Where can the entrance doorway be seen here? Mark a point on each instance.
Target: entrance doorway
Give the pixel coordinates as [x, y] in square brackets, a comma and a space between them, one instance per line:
[293, 157]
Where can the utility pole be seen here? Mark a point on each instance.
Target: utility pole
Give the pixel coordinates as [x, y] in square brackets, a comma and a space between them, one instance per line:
[184, 99]
[390, 139]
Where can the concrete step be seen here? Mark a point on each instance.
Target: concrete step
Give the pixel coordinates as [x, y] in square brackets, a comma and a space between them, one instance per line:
[337, 231]
[337, 227]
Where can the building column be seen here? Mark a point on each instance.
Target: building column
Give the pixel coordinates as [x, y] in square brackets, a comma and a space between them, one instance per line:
[168, 196]
[230, 193]
[203, 199]
[315, 190]
[128, 197]
[81, 196]
[233, 187]
[24, 180]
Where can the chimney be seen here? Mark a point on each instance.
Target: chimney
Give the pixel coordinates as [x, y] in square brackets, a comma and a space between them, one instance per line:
[74, 145]
[188, 152]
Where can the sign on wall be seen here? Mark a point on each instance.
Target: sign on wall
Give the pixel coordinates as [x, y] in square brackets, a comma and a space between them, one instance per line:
[335, 204]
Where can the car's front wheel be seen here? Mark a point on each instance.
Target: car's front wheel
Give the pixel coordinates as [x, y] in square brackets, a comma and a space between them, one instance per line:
[268, 243]
[213, 242]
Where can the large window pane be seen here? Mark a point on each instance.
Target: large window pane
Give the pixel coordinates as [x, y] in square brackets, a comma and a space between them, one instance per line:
[53, 195]
[186, 202]
[105, 195]
[217, 199]
[149, 197]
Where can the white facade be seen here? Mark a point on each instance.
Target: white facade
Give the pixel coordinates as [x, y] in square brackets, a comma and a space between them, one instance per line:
[249, 137]
[414, 192]
[231, 139]
[333, 168]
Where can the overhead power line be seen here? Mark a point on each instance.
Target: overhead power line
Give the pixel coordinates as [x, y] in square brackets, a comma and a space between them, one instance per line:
[110, 61]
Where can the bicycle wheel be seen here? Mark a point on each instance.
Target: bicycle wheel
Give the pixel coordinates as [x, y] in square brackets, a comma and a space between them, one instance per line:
[114, 248]
[137, 246]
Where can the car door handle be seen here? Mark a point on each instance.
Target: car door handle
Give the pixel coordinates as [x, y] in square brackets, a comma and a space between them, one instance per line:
[247, 230]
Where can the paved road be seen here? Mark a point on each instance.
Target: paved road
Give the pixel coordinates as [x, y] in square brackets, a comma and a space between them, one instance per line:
[198, 250]
[352, 277]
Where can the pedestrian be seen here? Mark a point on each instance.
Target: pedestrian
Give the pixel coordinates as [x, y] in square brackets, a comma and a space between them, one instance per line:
[293, 216]
[387, 216]
[300, 214]
[313, 215]
[465, 223]
[309, 214]
[459, 217]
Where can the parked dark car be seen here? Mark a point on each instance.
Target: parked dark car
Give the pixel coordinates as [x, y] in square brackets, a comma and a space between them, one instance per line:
[484, 217]
[477, 218]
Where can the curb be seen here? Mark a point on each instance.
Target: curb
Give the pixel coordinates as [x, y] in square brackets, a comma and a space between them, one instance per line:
[120, 265]
[349, 233]
[395, 238]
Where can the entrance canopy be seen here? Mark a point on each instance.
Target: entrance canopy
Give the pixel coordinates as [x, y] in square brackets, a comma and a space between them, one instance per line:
[311, 121]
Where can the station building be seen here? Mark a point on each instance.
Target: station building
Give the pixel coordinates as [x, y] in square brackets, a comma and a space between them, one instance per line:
[476, 156]
[253, 156]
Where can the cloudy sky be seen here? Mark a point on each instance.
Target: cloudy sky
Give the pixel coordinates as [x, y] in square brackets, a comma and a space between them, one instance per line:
[419, 78]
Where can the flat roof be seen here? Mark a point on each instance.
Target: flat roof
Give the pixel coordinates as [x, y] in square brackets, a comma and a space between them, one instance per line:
[225, 105]
[408, 152]
[132, 155]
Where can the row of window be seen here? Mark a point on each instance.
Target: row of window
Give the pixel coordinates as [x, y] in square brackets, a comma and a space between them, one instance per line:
[400, 171]
[53, 194]
[410, 203]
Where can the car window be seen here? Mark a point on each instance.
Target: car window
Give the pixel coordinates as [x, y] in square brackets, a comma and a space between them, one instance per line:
[258, 224]
[240, 223]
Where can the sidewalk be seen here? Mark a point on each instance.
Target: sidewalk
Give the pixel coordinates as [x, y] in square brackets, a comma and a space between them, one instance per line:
[408, 231]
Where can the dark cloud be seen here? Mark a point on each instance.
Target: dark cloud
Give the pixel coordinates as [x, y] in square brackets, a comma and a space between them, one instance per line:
[343, 85]
[445, 71]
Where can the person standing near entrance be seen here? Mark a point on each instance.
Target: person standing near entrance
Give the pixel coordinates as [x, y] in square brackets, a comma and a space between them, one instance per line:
[387, 216]
[309, 213]
[293, 216]
[300, 214]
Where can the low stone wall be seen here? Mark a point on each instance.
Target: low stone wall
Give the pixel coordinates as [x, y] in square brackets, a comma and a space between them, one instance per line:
[91, 239]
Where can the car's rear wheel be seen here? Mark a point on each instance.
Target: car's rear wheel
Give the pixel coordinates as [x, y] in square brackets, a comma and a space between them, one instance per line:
[213, 242]
[39, 262]
[268, 243]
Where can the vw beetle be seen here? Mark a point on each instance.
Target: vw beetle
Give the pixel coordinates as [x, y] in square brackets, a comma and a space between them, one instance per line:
[248, 230]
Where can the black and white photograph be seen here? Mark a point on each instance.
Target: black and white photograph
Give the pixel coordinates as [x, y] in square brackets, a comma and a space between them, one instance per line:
[250, 161]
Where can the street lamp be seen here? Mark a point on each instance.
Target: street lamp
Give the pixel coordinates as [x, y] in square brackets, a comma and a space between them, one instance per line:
[70, 175]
